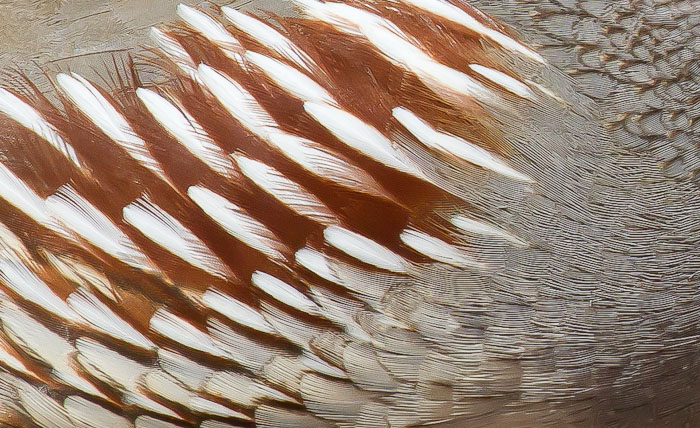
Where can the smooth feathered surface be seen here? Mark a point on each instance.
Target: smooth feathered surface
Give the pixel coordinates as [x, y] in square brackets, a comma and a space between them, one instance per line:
[378, 213]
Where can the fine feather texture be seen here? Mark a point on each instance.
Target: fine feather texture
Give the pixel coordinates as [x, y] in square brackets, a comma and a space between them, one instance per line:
[376, 213]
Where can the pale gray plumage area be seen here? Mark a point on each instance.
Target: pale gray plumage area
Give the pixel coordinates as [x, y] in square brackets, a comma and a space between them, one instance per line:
[569, 294]
[84, 35]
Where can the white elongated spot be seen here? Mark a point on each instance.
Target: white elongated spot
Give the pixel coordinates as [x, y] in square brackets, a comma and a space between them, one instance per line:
[240, 347]
[341, 16]
[174, 51]
[163, 229]
[18, 194]
[317, 263]
[270, 38]
[502, 79]
[43, 410]
[150, 405]
[28, 117]
[243, 390]
[186, 131]
[237, 222]
[186, 371]
[167, 387]
[454, 145]
[450, 12]
[12, 246]
[91, 224]
[313, 362]
[283, 292]
[364, 249]
[291, 194]
[106, 117]
[238, 101]
[436, 249]
[236, 311]
[181, 331]
[8, 357]
[45, 345]
[89, 414]
[82, 274]
[150, 422]
[118, 371]
[109, 366]
[397, 47]
[290, 79]
[324, 163]
[100, 316]
[481, 228]
[20, 279]
[361, 137]
[211, 29]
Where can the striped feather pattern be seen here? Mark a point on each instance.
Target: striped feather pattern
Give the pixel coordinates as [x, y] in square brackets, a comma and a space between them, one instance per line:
[323, 221]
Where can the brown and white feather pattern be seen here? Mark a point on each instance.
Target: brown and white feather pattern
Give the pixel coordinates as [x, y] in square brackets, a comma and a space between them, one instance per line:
[324, 221]
[237, 247]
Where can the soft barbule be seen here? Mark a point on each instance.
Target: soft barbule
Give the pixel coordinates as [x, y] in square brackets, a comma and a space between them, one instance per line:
[369, 213]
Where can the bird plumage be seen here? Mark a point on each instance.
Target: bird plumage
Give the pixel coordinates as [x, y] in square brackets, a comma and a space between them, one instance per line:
[379, 213]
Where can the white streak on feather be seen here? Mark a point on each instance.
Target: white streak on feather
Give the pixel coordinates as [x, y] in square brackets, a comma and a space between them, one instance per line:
[28, 117]
[211, 29]
[270, 38]
[457, 15]
[9, 359]
[20, 279]
[181, 331]
[283, 292]
[313, 362]
[186, 371]
[295, 329]
[18, 194]
[436, 249]
[238, 101]
[91, 224]
[317, 263]
[362, 137]
[291, 194]
[341, 310]
[88, 414]
[150, 422]
[481, 228]
[163, 229]
[237, 222]
[13, 247]
[243, 390]
[397, 47]
[106, 117]
[174, 51]
[324, 163]
[454, 145]
[108, 365]
[439, 77]
[240, 347]
[187, 131]
[82, 274]
[43, 410]
[45, 345]
[503, 80]
[290, 79]
[167, 387]
[118, 371]
[101, 317]
[236, 311]
[364, 249]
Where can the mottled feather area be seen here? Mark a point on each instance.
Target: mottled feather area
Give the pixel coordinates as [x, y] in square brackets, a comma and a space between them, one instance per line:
[376, 213]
